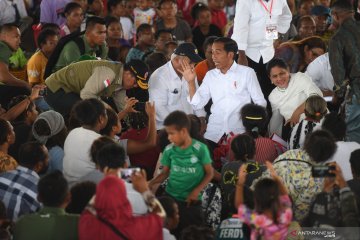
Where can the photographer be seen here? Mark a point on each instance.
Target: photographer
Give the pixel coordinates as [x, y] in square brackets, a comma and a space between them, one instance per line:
[335, 206]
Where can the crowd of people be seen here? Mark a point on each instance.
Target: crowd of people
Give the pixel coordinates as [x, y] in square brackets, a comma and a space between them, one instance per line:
[179, 119]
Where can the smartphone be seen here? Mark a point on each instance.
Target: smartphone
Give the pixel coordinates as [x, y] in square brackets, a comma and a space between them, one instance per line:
[127, 172]
[320, 171]
[43, 92]
[140, 106]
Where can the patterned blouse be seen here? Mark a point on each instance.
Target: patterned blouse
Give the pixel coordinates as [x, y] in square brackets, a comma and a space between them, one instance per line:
[7, 163]
[261, 225]
[294, 168]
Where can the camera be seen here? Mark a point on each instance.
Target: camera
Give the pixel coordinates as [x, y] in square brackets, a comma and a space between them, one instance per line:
[140, 106]
[320, 171]
[127, 172]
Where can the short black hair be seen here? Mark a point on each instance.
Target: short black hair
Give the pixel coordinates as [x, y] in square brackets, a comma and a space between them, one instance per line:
[7, 27]
[275, 62]
[113, 3]
[81, 193]
[43, 35]
[164, 1]
[49, 26]
[111, 156]
[178, 119]
[88, 111]
[194, 232]
[335, 124]
[197, 8]
[243, 147]
[355, 163]
[161, 31]
[155, 60]
[168, 205]
[97, 145]
[69, 7]
[342, 5]
[112, 121]
[32, 153]
[229, 44]
[208, 41]
[4, 131]
[53, 189]
[141, 28]
[110, 20]
[92, 21]
[320, 145]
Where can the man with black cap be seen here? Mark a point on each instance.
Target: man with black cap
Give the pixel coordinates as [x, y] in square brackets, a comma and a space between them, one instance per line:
[94, 79]
[168, 87]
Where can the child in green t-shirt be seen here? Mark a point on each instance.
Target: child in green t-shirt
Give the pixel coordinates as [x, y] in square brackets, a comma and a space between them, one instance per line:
[187, 164]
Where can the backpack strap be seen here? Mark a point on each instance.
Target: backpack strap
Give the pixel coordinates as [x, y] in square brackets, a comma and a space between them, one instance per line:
[112, 227]
[80, 44]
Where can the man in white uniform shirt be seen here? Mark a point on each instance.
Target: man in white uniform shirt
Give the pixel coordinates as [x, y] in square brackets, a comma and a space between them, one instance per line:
[230, 86]
[168, 87]
[257, 24]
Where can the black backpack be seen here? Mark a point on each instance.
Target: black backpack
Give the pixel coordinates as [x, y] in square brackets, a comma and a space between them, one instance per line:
[53, 59]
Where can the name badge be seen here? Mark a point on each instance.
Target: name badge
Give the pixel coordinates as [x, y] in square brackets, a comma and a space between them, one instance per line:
[271, 30]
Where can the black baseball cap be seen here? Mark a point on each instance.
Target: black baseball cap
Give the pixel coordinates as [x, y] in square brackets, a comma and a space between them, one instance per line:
[141, 72]
[189, 50]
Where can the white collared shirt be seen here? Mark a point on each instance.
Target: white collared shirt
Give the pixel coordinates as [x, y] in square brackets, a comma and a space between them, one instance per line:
[319, 71]
[229, 93]
[169, 93]
[250, 23]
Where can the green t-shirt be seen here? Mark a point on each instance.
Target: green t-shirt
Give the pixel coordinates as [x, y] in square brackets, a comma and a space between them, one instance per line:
[5, 53]
[71, 53]
[186, 168]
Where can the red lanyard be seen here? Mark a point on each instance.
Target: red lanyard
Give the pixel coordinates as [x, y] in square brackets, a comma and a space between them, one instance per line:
[271, 5]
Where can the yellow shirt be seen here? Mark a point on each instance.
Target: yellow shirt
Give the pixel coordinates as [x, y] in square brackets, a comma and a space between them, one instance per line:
[36, 68]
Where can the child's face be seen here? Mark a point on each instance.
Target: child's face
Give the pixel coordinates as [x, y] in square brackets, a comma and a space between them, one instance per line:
[162, 39]
[51, 42]
[119, 10]
[216, 4]
[130, 5]
[97, 6]
[175, 136]
[305, 8]
[117, 128]
[147, 37]
[114, 31]
[174, 221]
[143, 4]
[168, 10]
[204, 18]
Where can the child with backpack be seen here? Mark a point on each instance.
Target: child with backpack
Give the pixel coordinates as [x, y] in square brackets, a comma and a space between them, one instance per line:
[272, 215]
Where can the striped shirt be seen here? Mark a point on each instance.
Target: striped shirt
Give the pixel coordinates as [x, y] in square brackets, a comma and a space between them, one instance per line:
[18, 191]
[265, 150]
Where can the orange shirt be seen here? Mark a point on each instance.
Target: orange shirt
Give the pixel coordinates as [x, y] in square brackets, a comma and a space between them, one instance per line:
[201, 69]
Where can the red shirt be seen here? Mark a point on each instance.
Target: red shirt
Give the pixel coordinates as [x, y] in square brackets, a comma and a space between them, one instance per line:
[265, 150]
[218, 17]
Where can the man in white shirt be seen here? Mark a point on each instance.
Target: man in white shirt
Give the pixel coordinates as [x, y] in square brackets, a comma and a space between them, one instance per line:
[230, 86]
[256, 26]
[320, 72]
[168, 86]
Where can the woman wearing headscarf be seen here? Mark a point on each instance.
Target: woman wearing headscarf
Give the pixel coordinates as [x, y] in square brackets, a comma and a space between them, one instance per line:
[111, 215]
[49, 129]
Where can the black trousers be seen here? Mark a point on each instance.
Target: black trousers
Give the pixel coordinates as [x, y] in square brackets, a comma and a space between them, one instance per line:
[8, 92]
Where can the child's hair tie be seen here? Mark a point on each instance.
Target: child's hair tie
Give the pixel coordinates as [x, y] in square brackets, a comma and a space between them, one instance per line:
[253, 118]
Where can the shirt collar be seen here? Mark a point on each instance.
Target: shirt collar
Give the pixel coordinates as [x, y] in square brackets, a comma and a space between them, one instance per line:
[88, 47]
[52, 210]
[232, 68]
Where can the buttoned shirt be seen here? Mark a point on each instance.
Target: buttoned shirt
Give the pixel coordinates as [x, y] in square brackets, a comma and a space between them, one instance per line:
[18, 191]
[229, 93]
[250, 24]
[169, 93]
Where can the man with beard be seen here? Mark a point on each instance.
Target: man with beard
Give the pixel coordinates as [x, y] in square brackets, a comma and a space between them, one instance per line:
[18, 188]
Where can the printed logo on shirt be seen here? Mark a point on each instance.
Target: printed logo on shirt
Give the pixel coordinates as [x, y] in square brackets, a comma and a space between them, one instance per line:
[107, 83]
[197, 146]
[183, 169]
[193, 159]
